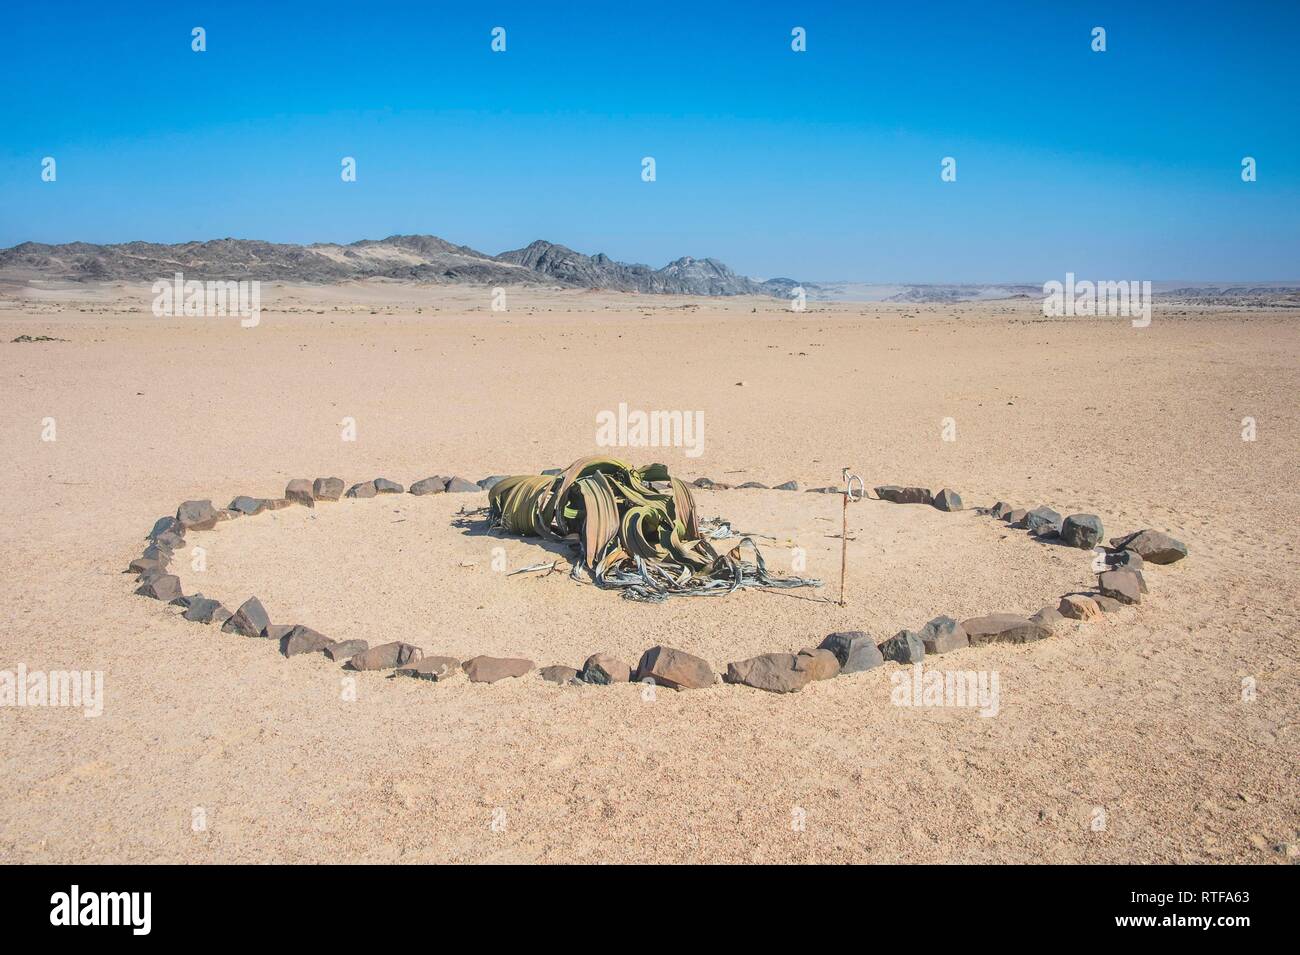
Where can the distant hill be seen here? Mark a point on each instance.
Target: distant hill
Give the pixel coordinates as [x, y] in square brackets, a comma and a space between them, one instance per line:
[417, 258]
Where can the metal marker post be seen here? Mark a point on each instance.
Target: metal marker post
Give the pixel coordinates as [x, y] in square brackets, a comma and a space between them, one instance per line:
[848, 480]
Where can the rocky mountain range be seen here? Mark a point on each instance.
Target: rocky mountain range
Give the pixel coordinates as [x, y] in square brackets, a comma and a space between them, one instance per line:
[417, 258]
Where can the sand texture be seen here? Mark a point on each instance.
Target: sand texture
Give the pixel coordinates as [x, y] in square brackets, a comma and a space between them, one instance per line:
[1139, 716]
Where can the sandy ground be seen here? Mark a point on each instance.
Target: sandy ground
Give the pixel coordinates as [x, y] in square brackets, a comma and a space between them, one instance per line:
[1123, 741]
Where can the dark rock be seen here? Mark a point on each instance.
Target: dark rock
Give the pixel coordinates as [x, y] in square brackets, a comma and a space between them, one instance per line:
[1046, 532]
[170, 539]
[1154, 546]
[203, 610]
[905, 646]
[1107, 604]
[303, 640]
[277, 503]
[553, 472]
[197, 516]
[854, 649]
[1082, 530]
[327, 488]
[166, 525]
[299, 491]
[948, 500]
[819, 664]
[385, 486]
[788, 486]
[1016, 518]
[702, 482]
[1123, 585]
[278, 631]
[774, 672]
[458, 485]
[142, 565]
[248, 505]
[250, 620]
[161, 552]
[1041, 517]
[1124, 560]
[754, 484]
[433, 669]
[1049, 618]
[1000, 510]
[365, 489]
[430, 485]
[559, 674]
[1002, 628]
[823, 490]
[943, 634]
[344, 649]
[674, 669]
[904, 495]
[604, 668]
[163, 587]
[488, 483]
[490, 669]
[385, 656]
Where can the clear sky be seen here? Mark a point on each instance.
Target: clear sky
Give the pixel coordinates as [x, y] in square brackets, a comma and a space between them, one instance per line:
[821, 165]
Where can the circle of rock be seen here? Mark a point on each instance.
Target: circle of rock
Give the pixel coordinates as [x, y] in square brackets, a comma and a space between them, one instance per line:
[1119, 570]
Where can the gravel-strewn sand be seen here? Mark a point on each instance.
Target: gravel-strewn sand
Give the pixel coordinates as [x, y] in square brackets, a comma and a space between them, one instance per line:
[1141, 715]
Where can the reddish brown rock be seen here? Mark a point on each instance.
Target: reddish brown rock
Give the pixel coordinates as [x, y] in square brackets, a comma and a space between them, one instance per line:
[430, 485]
[674, 669]
[1122, 585]
[197, 516]
[345, 649]
[604, 668]
[433, 669]
[483, 669]
[819, 664]
[164, 587]
[774, 672]
[1002, 628]
[386, 656]
[250, 620]
[1153, 546]
[302, 639]
[559, 674]
[327, 488]
[299, 491]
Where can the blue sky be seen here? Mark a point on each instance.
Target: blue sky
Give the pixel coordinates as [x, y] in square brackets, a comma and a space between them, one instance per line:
[820, 165]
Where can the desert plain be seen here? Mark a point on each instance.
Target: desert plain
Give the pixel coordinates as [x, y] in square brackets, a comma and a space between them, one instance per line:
[1165, 732]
